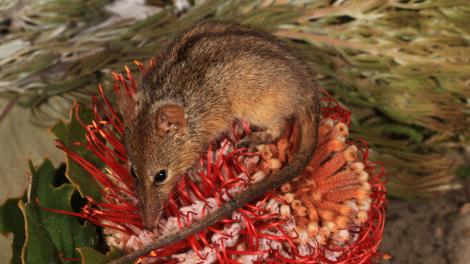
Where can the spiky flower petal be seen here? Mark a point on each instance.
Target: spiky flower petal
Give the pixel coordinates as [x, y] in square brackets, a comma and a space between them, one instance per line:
[333, 212]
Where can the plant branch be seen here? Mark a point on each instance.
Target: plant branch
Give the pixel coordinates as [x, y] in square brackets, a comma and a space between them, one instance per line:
[248, 195]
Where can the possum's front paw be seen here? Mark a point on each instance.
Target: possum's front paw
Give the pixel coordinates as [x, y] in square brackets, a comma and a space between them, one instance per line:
[254, 139]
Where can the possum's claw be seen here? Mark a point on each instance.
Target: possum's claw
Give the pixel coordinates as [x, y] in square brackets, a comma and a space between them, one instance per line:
[254, 139]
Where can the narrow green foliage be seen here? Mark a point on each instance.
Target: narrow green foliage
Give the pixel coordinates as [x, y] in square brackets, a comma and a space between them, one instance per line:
[463, 171]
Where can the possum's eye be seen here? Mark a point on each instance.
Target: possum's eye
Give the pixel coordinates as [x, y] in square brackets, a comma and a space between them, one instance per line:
[160, 177]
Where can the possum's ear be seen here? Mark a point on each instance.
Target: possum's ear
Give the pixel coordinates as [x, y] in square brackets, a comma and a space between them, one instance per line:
[169, 118]
[128, 106]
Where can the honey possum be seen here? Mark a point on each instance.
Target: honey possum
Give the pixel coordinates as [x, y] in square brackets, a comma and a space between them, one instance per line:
[209, 76]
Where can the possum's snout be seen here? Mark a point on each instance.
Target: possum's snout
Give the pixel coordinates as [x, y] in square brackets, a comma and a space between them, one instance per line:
[151, 213]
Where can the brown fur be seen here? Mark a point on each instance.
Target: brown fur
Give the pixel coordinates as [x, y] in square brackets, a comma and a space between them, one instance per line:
[215, 73]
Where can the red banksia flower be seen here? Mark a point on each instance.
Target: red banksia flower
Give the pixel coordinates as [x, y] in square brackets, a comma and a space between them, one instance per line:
[333, 212]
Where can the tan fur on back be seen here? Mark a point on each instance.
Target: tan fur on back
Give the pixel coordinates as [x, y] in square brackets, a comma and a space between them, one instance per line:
[217, 72]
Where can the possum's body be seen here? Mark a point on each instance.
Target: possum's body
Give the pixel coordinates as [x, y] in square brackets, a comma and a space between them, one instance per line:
[211, 75]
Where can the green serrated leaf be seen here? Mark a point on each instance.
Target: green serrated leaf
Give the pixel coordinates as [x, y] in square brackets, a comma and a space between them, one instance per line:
[92, 256]
[72, 132]
[52, 237]
[38, 247]
[11, 221]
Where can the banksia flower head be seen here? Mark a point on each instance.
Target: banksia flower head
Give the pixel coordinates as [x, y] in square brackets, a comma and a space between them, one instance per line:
[332, 212]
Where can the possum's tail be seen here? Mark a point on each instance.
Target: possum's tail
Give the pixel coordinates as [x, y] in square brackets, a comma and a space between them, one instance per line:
[308, 121]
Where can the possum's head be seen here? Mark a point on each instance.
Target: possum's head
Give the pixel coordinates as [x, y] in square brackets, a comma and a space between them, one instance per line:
[160, 152]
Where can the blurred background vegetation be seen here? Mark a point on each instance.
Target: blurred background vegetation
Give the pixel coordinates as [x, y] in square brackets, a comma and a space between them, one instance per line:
[401, 66]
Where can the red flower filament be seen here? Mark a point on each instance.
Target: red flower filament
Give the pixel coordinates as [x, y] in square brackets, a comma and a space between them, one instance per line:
[333, 212]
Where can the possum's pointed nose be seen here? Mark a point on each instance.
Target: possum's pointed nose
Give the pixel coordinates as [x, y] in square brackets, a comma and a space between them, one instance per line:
[151, 216]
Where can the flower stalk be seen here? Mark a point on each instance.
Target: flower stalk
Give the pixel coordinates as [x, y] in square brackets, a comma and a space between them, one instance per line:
[228, 208]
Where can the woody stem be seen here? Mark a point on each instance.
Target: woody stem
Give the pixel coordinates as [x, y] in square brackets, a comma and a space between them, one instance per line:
[250, 194]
